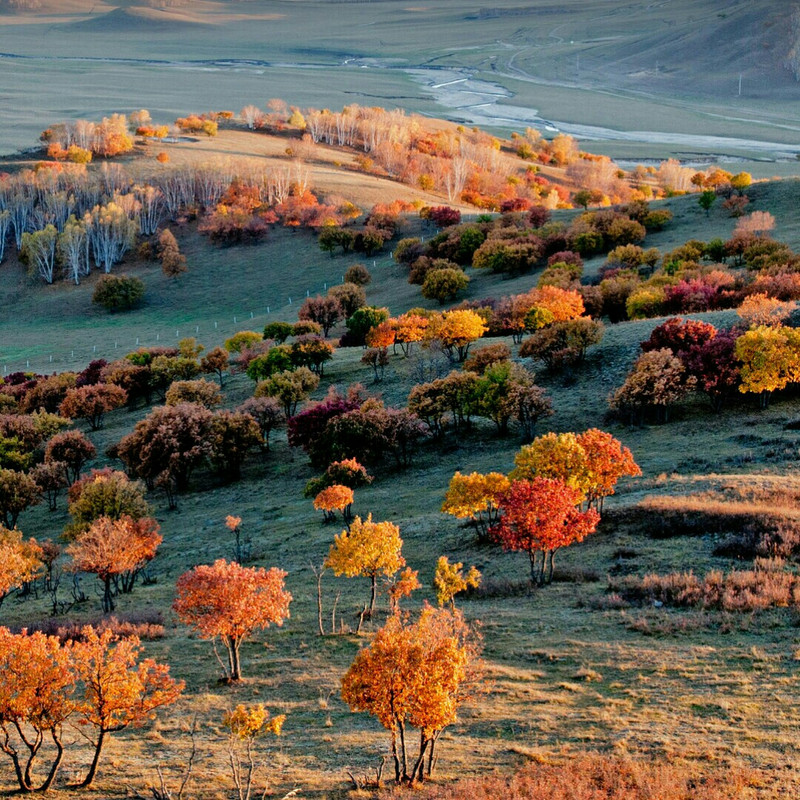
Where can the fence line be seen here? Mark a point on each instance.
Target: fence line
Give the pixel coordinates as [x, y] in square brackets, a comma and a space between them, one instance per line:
[74, 357]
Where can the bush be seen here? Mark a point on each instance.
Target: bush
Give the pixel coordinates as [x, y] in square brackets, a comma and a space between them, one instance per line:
[596, 777]
[118, 292]
[357, 274]
[444, 284]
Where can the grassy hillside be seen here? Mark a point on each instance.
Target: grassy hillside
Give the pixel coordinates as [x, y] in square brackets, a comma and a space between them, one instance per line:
[568, 669]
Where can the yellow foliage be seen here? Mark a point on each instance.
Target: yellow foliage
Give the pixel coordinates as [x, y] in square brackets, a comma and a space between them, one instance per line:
[450, 580]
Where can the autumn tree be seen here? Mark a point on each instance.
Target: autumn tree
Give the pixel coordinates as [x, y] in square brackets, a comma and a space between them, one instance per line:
[20, 561]
[759, 309]
[415, 674]
[541, 516]
[476, 497]
[558, 456]
[73, 450]
[325, 311]
[245, 725]
[456, 330]
[37, 685]
[173, 262]
[104, 493]
[367, 549]
[230, 602]
[332, 499]
[450, 580]
[118, 689]
[168, 445]
[216, 362]
[444, 285]
[93, 402]
[409, 328]
[202, 392]
[50, 479]
[115, 550]
[290, 387]
[233, 435]
[607, 460]
[657, 381]
[18, 491]
[268, 414]
[770, 360]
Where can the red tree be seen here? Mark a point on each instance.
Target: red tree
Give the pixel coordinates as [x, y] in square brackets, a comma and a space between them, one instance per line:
[541, 516]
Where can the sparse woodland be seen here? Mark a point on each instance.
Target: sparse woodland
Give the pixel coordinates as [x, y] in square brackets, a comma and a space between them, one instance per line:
[396, 508]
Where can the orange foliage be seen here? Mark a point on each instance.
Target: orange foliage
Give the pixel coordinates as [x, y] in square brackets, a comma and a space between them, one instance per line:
[36, 695]
[383, 335]
[115, 547]
[230, 602]
[119, 690]
[20, 561]
[334, 498]
[414, 674]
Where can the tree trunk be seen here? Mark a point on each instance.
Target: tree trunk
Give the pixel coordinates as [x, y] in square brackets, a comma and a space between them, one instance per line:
[403, 756]
[373, 594]
[532, 556]
[108, 599]
[87, 781]
[51, 776]
[233, 658]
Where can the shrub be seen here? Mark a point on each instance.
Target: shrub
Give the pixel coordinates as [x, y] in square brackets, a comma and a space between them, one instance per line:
[444, 284]
[118, 292]
[202, 392]
[358, 274]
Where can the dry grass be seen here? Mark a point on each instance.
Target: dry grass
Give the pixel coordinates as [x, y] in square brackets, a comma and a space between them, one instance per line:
[598, 777]
[769, 585]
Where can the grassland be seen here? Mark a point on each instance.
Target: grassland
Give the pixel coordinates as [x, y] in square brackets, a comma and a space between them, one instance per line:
[567, 673]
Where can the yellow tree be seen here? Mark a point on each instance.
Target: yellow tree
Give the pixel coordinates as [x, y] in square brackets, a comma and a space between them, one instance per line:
[770, 358]
[20, 561]
[456, 330]
[474, 497]
[368, 549]
[450, 580]
[245, 725]
[414, 675]
[555, 455]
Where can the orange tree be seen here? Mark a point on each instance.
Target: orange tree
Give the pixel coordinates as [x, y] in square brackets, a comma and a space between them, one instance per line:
[115, 550]
[93, 402]
[474, 497]
[415, 675]
[37, 684]
[541, 516]
[230, 602]
[20, 561]
[607, 460]
[332, 499]
[368, 549]
[117, 688]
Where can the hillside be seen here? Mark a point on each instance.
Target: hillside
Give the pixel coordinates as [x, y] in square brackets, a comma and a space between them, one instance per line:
[682, 673]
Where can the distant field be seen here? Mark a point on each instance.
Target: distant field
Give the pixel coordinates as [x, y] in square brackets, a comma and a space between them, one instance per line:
[658, 68]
